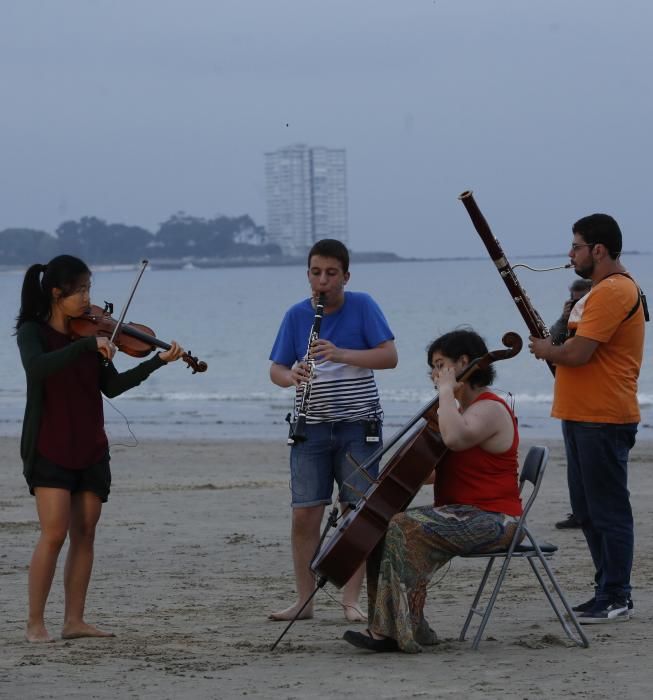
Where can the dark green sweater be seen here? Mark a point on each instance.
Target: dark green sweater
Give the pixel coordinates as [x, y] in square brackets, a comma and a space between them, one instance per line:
[39, 363]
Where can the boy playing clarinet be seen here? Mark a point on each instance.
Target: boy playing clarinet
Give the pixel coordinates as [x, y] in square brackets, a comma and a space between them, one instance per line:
[344, 414]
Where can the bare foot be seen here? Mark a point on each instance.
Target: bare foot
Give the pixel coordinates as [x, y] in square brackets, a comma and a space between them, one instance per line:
[37, 633]
[289, 613]
[81, 629]
[353, 613]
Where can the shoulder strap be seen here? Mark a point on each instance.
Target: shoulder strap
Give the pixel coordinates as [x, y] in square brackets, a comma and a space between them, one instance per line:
[641, 297]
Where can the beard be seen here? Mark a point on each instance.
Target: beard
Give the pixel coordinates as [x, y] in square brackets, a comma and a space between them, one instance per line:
[586, 271]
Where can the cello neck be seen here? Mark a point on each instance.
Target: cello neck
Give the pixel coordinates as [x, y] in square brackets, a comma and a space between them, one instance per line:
[387, 445]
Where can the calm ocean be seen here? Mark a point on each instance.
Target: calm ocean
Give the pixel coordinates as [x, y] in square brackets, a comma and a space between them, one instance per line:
[229, 317]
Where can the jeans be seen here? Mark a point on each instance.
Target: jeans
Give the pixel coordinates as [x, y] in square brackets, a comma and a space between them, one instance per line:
[322, 458]
[597, 472]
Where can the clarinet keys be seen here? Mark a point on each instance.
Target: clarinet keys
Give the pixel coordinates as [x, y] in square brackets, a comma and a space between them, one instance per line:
[297, 430]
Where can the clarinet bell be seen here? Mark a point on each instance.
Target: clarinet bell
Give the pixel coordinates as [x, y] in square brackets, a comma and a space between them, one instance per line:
[291, 431]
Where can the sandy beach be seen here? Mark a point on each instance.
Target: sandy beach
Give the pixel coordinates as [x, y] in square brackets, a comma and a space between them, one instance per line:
[193, 552]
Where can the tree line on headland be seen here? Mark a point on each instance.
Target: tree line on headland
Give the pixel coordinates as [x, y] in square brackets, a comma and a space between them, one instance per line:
[181, 238]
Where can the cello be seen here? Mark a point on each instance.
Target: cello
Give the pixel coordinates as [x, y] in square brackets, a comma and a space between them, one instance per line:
[406, 471]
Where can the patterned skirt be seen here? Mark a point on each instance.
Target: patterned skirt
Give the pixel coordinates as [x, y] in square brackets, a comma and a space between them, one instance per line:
[417, 543]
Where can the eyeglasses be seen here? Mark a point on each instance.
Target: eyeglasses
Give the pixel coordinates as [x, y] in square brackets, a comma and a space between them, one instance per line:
[576, 246]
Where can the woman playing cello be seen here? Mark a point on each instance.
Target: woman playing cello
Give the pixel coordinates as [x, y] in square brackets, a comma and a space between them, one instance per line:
[476, 503]
[63, 445]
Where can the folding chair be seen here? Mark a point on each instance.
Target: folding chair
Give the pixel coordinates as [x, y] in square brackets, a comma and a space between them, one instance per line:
[528, 549]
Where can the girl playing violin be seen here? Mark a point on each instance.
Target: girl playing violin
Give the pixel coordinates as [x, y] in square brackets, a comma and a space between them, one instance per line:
[63, 445]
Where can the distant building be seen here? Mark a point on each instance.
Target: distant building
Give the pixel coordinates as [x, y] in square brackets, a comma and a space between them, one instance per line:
[306, 196]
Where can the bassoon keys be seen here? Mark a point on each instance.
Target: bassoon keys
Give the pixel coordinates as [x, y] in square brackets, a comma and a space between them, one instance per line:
[533, 320]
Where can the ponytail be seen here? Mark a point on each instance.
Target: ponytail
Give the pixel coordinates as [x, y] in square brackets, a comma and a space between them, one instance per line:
[63, 272]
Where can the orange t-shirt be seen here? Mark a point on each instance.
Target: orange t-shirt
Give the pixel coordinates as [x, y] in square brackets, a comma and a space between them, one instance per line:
[605, 389]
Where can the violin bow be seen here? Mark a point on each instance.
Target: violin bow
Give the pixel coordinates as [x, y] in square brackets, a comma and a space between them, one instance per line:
[123, 313]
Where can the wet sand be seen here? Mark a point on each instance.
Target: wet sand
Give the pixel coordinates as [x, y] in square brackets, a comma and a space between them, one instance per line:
[192, 553]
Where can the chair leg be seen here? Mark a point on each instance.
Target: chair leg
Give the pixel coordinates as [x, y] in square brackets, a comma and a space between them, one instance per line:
[490, 604]
[479, 593]
[581, 640]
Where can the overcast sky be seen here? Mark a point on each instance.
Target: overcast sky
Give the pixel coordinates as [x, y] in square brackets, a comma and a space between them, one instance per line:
[133, 110]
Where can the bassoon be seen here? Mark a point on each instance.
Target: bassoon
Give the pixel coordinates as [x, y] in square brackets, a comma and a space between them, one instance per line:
[297, 432]
[533, 320]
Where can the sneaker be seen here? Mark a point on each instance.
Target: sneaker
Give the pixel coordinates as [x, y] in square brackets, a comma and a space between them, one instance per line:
[606, 611]
[569, 522]
[589, 604]
[584, 607]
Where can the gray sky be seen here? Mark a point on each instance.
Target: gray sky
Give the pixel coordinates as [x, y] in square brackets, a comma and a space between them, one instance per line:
[132, 110]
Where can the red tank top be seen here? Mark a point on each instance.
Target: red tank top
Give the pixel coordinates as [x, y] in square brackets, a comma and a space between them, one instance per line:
[478, 478]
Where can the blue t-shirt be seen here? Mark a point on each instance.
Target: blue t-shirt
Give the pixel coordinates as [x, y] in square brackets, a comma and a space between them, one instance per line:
[339, 392]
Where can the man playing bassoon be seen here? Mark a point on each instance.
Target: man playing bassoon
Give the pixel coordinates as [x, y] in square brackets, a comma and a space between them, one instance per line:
[596, 397]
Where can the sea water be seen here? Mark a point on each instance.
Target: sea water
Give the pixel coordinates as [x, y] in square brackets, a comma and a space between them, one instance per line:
[229, 317]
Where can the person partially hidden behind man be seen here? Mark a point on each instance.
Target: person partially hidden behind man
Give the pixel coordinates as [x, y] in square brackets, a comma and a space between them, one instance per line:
[595, 395]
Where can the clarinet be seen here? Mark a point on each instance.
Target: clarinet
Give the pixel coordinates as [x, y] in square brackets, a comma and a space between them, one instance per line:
[297, 431]
[534, 321]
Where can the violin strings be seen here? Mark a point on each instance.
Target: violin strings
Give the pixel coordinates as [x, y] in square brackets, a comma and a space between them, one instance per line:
[124, 417]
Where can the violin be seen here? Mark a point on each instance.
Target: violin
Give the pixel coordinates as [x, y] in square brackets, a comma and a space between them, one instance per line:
[404, 474]
[134, 339]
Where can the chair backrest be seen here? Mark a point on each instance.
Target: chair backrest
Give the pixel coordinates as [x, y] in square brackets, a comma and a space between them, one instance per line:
[533, 471]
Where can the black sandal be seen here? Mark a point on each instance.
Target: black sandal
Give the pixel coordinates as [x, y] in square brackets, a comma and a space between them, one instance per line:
[367, 641]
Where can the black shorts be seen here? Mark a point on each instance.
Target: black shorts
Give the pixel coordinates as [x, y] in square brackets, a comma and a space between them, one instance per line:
[96, 478]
